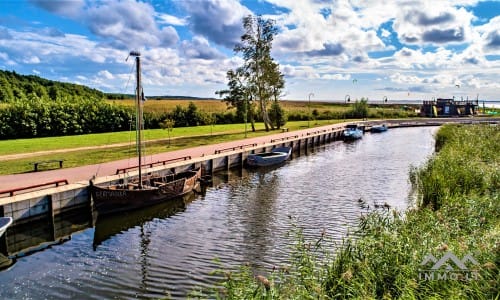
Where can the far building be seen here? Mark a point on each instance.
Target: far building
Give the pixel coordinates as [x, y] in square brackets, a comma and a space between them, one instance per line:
[449, 108]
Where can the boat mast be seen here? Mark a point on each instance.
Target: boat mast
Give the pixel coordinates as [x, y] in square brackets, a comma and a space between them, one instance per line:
[138, 99]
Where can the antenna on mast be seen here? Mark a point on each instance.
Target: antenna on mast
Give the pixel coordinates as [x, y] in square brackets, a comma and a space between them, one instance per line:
[133, 53]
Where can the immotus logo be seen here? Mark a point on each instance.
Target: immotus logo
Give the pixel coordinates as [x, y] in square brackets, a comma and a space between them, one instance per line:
[449, 267]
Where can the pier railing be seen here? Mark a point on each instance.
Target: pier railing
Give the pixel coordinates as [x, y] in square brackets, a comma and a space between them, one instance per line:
[150, 165]
[32, 187]
[234, 148]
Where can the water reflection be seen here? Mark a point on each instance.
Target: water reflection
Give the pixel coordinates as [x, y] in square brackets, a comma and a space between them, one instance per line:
[107, 226]
[242, 218]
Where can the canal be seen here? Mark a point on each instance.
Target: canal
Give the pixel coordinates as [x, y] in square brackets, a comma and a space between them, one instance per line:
[244, 217]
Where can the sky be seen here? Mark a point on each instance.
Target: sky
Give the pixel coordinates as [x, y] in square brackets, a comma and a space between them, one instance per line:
[327, 49]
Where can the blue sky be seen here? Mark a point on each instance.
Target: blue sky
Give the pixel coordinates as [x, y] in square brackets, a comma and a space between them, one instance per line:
[400, 49]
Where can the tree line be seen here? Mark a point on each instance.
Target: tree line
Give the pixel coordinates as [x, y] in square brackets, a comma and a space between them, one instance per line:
[15, 87]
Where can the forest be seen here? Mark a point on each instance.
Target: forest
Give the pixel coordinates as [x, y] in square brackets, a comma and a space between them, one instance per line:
[31, 106]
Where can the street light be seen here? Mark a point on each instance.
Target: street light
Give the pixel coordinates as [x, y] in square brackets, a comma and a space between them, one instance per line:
[309, 115]
[347, 98]
[384, 100]
[245, 112]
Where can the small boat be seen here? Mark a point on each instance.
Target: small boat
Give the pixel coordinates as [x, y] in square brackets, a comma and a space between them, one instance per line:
[352, 132]
[379, 128]
[129, 194]
[4, 223]
[276, 156]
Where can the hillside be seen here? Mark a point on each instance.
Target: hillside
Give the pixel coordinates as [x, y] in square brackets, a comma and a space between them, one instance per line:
[14, 86]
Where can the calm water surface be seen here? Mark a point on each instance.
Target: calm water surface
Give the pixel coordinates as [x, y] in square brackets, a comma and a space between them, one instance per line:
[244, 217]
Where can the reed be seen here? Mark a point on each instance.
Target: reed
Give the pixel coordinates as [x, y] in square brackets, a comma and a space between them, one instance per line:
[382, 258]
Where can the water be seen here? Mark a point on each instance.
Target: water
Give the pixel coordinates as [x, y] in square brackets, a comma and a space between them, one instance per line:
[244, 218]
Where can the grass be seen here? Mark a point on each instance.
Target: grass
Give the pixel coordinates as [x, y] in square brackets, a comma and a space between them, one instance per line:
[382, 258]
[182, 138]
[291, 107]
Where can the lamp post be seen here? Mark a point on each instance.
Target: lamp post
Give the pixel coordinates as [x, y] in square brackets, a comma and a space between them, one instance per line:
[347, 98]
[384, 101]
[309, 110]
[245, 112]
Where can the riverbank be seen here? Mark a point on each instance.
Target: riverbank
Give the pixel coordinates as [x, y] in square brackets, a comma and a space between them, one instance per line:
[444, 248]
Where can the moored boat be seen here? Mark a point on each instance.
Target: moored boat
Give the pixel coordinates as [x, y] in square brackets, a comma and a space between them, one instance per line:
[379, 128]
[4, 224]
[352, 132]
[124, 196]
[127, 194]
[276, 156]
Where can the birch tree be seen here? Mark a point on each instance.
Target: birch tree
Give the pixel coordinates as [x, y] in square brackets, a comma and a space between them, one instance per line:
[258, 81]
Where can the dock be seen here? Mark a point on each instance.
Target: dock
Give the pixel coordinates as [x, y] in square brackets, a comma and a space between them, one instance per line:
[63, 195]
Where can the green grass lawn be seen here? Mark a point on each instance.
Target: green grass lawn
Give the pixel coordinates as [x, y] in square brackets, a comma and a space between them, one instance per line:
[182, 138]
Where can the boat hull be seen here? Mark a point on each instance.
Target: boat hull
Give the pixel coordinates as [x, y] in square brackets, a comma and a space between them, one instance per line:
[378, 128]
[4, 224]
[350, 135]
[113, 198]
[276, 156]
[352, 132]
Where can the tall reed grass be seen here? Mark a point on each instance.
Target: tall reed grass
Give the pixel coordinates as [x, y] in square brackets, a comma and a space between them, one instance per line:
[459, 212]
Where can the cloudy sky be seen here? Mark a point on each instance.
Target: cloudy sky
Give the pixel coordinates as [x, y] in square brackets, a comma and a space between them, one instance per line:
[399, 49]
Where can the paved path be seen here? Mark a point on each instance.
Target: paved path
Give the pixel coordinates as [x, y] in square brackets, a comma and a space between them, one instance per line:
[84, 173]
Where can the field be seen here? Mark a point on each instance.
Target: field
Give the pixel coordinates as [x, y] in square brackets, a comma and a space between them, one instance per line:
[290, 107]
[169, 105]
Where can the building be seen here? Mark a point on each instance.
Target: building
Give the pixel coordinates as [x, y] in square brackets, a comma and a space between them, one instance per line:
[449, 108]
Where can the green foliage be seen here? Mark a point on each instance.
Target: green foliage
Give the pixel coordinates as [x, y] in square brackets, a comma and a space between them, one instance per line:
[382, 258]
[467, 163]
[277, 115]
[359, 109]
[16, 87]
[38, 118]
[258, 81]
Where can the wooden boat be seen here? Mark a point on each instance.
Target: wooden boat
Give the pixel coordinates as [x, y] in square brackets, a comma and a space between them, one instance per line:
[379, 128]
[276, 156]
[125, 196]
[146, 190]
[352, 132]
[4, 224]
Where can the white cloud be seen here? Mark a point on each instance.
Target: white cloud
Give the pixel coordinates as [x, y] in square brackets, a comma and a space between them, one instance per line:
[130, 24]
[170, 20]
[106, 74]
[31, 60]
[489, 36]
[337, 76]
[71, 8]
[217, 20]
[432, 23]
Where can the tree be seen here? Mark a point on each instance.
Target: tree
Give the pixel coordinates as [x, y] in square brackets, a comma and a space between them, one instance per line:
[238, 97]
[360, 108]
[259, 78]
[192, 116]
[277, 114]
[168, 124]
